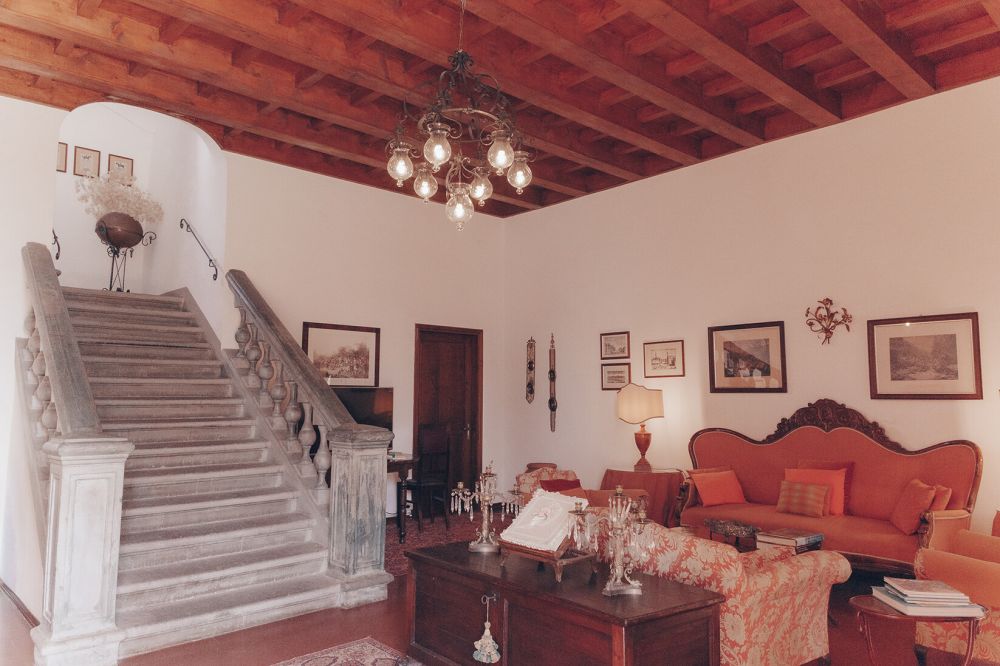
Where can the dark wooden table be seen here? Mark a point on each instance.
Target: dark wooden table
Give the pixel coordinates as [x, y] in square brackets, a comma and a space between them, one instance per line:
[536, 620]
[401, 464]
[868, 606]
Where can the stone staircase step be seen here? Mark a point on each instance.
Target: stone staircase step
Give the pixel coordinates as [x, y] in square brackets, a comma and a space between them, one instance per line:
[79, 295]
[189, 542]
[194, 350]
[134, 387]
[165, 456]
[127, 314]
[157, 408]
[175, 430]
[110, 366]
[98, 329]
[189, 510]
[211, 615]
[174, 582]
[148, 483]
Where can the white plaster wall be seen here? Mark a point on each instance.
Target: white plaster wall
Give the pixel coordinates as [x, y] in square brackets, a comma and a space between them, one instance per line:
[893, 214]
[28, 135]
[326, 250]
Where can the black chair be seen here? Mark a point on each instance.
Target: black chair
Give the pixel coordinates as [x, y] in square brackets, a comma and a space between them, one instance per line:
[430, 484]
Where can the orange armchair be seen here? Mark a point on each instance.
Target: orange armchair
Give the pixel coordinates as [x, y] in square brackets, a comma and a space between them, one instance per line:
[970, 562]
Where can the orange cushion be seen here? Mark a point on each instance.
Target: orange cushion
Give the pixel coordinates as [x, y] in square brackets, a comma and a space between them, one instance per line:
[695, 497]
[941, 496]
[847, 465]
[576, 492]
[833, 478]
[719, 488]
[913, 501]
[805, 499]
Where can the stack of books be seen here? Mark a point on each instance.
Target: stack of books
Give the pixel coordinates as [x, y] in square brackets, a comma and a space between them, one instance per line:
[801, 540]
[926, 598]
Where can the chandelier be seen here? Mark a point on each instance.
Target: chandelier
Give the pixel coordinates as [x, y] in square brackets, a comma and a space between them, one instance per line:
[468, 126]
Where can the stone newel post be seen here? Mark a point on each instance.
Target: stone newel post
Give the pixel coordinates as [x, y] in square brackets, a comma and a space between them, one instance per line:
[81, 552]
[357, 512]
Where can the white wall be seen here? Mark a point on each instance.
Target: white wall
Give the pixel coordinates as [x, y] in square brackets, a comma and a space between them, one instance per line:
[893, 214]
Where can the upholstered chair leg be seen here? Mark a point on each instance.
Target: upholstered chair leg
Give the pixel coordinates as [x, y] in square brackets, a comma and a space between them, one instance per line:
[825, 660]
[921, 654]
[418, 498]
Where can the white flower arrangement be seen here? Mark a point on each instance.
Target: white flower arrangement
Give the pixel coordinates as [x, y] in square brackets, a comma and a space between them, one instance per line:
[117, 193]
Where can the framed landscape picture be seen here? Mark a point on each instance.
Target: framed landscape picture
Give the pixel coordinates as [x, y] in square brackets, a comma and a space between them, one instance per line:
[747, 358]
[925, 358]
[86, 162]
[615, 376]
[615, 345]
[663, 359]
[345, 355]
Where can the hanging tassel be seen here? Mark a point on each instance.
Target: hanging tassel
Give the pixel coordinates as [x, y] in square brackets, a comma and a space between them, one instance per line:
[487, 650]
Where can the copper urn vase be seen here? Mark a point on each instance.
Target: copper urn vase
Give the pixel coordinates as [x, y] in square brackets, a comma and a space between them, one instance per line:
[119, 230]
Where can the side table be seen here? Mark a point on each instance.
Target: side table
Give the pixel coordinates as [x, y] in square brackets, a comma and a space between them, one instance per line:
[400, 464]
[661, 484]
[868, 606]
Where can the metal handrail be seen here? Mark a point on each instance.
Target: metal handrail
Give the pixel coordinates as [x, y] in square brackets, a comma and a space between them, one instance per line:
[212, 263]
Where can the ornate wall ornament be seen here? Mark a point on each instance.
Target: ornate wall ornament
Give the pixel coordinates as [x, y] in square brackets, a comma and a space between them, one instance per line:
[824, 319]
[553, 405]
[529, 387]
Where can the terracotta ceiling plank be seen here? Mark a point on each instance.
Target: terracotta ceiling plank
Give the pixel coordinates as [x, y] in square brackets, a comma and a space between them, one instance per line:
[785, 124]
[364, 97]
[728, 6]
[64, 47]
[545, 26]
[267, 108]
[613, 96]
[969, 68]
[722, 41]
[992, 8]
[289, 14]
[599, 16]
[60, 95]
[782, 24]
[206, 89]
[244, 54]
[843, 73]
[871, 98]
[722, 85]
[683, 128]
[359, 42]
[648, 114]
[137, 69]
[756, 102]
[87, 8]
[252, 22]
[952, 35]
[646, 41]
[685, 65]
[810, 51]
[42, 82]
[921, 10]
[307, 78]
[172, 30]
[862, 28]
[543, 88]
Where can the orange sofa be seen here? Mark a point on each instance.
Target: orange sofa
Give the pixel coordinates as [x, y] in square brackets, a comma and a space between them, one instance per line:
[880, 469]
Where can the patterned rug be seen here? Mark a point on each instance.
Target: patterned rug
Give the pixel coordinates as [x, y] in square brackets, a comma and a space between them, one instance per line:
[363, 652]
[433, 534]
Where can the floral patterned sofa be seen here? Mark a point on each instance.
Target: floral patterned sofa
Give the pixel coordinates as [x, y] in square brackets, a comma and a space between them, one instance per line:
[775, 612]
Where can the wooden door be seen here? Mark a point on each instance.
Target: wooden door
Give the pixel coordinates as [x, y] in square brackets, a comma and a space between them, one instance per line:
[448, 395]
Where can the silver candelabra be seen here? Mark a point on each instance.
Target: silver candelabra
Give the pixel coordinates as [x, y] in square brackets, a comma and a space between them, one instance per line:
[627, 540]
[485, 494]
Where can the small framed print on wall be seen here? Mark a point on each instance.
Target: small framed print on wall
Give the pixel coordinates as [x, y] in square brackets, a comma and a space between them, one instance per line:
[61, 150]
[344, 355]
[925, 358]
[120, 166]
[615, 376]
[615, 345]
[663, 359]
[86, 162]
[747, 358]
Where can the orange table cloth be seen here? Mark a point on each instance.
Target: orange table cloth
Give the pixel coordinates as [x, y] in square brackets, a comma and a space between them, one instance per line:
[662, 486]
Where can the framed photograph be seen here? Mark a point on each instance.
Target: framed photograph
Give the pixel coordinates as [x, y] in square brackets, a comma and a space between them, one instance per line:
[86, 162]
[663, 359]
[615, 345]
[120, 165]
[925, 358]
[345, 355]
[615, 376]
[747, 358]
[61, 150]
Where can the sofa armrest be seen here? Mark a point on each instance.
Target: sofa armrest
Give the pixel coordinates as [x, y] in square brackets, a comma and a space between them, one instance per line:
[980, 579]
[938, 528]
[976, 545]
[798, 575]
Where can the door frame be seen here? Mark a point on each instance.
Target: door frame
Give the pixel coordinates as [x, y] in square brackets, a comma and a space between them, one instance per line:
[476, 333]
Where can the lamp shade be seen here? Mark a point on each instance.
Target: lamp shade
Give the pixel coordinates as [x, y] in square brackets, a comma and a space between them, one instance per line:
[638, 403]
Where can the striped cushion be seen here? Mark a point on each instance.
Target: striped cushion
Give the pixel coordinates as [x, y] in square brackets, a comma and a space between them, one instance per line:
[806, 499]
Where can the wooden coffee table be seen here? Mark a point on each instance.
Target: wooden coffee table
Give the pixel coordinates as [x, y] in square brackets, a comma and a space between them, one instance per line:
[868, 606]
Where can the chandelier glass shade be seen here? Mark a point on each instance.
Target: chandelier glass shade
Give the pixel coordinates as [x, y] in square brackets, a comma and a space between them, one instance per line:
[468, 129]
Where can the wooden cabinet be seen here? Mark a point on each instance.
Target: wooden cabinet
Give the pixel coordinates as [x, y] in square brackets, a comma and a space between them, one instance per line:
[538, 621]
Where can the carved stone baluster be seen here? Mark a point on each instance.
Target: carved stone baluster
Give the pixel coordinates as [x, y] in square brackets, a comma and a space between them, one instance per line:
[27, 355]
[38, 370]
[292, 415]
[265, 371]
[278, 390]
[307, 437]
[242, 335]
[322, 461]
[252, 354]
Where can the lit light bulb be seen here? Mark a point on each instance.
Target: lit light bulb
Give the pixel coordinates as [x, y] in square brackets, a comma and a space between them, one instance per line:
[481, 188]
[519, 174]
[425, 184]
[501, 153]
[459, 208]
[400, 165]
[437, 149]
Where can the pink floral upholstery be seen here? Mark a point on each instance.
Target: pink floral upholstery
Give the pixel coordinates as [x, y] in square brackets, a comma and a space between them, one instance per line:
[527, 483]
[775, 613]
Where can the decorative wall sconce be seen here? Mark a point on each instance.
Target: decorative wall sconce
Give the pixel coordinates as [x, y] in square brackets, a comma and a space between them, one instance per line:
[824, 319]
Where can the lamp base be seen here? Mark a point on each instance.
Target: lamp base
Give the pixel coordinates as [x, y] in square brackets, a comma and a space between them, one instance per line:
[642, 440]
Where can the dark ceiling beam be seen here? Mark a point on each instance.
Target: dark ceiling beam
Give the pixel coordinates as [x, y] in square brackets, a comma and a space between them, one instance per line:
[782, 24]
[912, 13]
[953, 35]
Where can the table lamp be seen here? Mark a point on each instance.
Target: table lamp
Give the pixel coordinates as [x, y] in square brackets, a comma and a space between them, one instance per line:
[638, 404]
